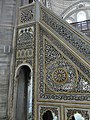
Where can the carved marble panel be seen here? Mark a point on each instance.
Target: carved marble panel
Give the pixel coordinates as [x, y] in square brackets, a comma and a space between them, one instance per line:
[27, 14]
[79, 113]
[60, 75]
[25, 45]
[54, 110]
[69, 35]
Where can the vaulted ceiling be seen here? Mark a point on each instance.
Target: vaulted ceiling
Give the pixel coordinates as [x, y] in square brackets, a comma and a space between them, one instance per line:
[68, 9]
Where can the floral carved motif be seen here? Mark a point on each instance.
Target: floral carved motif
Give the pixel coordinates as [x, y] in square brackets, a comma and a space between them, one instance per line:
[60, 75]
[53, 58]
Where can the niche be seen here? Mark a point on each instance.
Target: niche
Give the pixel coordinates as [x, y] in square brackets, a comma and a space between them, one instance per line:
[48, 115]
[73, 118]
[78, 116]
[30, 1]
[24, 94]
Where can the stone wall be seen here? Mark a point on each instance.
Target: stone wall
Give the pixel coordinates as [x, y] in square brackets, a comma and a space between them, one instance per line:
[7, 20]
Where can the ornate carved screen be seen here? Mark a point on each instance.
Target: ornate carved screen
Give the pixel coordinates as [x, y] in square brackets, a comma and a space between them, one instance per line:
[60, 61]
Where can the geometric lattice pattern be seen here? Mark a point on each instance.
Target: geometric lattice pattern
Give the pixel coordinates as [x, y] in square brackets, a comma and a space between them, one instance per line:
[83, 113]
[73, 39]
[79, 44]
[27, 14]
[59, 76]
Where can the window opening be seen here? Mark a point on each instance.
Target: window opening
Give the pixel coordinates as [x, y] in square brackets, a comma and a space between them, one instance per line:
[81, 16]
[78, 116]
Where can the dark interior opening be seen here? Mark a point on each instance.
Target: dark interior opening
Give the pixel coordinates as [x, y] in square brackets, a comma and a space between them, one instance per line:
[30, 1]
[22, 92]
[47, 115]
[73, 118]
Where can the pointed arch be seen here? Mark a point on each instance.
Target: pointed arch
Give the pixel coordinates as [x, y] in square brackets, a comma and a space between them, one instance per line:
[18, 68]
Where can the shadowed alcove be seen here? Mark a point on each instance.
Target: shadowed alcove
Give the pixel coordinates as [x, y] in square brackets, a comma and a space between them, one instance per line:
[30, 1]
[24, 94]
[48, 115]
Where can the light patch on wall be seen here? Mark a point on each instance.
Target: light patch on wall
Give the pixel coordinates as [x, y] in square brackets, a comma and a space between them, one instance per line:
[78, 116]
[69, 21]
[54, 116]
[81, 16]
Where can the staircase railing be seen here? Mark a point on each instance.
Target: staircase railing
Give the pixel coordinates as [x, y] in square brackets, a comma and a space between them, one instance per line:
[70, 35]
[83, 26]
[78, 42]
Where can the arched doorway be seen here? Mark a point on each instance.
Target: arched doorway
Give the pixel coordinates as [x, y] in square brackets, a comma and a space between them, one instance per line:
[24, 93]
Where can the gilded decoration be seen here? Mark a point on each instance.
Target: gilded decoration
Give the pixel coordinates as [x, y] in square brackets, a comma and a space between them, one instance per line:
[66, 33]
[55, 59]
[59, 75]
[25, 45]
